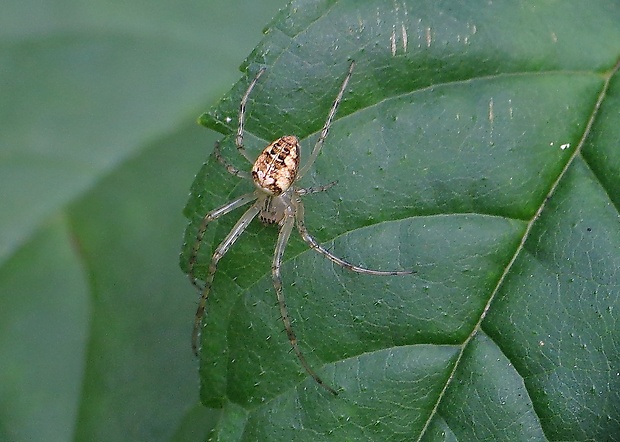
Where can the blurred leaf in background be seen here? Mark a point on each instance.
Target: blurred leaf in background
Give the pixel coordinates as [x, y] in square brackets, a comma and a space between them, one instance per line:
[477, 143]
[98, 147]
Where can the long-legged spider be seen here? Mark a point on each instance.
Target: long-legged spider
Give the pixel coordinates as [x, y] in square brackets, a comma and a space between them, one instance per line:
[276, 200]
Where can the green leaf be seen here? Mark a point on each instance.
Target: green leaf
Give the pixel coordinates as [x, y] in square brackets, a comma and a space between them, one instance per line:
[477, 145]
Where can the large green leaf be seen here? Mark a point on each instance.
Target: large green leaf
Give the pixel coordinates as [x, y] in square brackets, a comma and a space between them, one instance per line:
[476, 144]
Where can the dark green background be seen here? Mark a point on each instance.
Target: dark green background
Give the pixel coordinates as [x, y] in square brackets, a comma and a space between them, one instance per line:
[98, 148]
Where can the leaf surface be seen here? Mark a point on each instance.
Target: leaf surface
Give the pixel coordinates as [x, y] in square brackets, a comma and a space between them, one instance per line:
[475, 145]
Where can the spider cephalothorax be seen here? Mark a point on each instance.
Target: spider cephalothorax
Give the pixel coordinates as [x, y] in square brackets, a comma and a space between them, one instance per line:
[276, 200]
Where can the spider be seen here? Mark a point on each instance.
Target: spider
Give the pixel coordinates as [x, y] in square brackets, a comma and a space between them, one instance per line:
[276, 200]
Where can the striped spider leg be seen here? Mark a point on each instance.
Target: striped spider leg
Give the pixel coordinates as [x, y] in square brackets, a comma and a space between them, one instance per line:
[277, 201]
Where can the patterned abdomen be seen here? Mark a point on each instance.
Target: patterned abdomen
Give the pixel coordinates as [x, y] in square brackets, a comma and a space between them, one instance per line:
[275, 169]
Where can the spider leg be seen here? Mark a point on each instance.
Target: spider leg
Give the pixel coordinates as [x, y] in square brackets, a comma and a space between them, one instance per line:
[209, 217]
[283, 237]
[309, 190]
[314, 244]
[229, 167]
[220, 251]
[327, 125]
[244, 100]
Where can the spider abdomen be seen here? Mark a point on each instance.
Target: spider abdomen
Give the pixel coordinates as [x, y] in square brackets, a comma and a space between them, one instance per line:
[275, 169]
